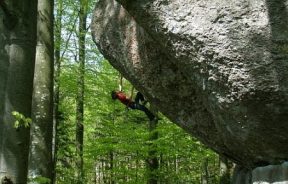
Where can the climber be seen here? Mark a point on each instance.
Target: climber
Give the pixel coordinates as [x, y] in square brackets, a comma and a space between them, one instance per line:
[138, 104]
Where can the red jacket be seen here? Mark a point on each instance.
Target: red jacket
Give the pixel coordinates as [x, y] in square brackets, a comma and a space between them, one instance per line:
[123, 98]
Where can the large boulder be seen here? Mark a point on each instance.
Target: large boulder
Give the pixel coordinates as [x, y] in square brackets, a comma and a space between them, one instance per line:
[217, 68]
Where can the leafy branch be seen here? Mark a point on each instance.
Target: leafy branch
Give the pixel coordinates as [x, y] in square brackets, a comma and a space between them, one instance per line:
[21, 120]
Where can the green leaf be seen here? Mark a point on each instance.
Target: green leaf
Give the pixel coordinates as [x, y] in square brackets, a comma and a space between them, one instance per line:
[21, 120]
[16, 124]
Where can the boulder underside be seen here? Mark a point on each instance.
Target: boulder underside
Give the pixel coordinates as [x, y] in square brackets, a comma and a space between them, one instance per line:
[218, 69]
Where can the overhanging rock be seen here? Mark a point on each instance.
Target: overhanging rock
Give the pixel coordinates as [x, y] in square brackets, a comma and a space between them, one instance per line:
[219, 69]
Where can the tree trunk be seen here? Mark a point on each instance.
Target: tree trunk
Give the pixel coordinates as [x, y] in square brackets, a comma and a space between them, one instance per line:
[80, 93]
[40, 158]
[111, 160]
[17, 51]
[152, 160]
[205, 172]
[57, 69]
[176, 164]
[137, 166]
[225, 170]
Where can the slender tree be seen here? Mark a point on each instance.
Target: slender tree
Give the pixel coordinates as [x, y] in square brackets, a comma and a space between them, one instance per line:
[17, 57]
[57, 69]
[205, 172]
[80, 92]
[152, 160]
[40, 158]
[225, 170]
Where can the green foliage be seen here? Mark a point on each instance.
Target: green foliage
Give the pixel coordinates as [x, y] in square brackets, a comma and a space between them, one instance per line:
[112, 130]
[39, 180]
[21, 120]
[116, 142]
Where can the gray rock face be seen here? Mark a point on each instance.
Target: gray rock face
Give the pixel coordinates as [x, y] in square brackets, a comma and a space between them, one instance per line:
[218, 69]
